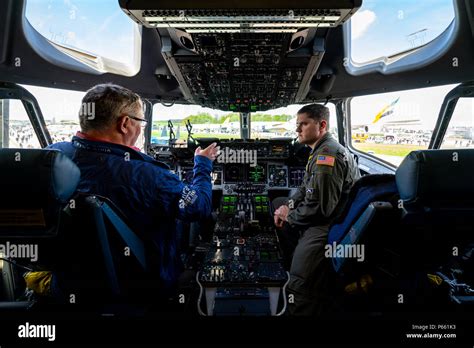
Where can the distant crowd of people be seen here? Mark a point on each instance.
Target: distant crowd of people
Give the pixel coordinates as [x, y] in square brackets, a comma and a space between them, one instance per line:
[23, 136]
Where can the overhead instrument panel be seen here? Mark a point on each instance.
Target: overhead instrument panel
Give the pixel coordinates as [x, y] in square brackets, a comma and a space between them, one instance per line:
[243, 56]
[240, 16]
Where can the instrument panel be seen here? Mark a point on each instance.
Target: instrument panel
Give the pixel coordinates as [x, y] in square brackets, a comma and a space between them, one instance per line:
[242, 166]
[244, 256]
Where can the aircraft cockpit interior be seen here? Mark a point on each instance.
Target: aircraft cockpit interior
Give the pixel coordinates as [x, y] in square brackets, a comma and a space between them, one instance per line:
[261, 160]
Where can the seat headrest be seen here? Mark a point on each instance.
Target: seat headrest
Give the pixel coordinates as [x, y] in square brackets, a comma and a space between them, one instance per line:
[36, 185]
[31, 174]
[427, 177]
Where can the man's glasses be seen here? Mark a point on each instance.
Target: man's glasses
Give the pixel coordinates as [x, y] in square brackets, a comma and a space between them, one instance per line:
[138, 119]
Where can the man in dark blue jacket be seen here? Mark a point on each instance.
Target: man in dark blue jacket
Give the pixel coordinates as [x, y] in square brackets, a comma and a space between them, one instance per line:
[148, 193]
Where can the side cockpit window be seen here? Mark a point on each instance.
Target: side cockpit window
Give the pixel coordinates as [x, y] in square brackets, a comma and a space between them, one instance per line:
[16, 130]
[60, 110]
[460, 132]
[391, 125]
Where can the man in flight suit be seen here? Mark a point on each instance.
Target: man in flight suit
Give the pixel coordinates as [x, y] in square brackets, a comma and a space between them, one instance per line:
[330, 173]
[146, 191]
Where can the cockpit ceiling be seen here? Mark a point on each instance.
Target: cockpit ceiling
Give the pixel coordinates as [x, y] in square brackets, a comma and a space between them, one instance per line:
[241, 57]
[273, 69]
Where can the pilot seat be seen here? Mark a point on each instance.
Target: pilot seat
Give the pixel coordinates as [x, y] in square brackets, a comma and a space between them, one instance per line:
[97, 262]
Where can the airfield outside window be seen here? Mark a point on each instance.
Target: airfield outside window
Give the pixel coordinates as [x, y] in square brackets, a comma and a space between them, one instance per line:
[460, 132]
[16, 130]
[60, 109]
[282, 122]
[207, 122]
[391, 125]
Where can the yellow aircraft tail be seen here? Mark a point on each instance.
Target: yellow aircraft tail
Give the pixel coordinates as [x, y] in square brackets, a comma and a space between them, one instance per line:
[386, 111]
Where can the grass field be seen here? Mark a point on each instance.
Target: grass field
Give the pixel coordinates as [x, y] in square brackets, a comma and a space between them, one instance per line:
[387, 149]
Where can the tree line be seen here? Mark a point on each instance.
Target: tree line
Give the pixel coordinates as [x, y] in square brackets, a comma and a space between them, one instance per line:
[206, 118]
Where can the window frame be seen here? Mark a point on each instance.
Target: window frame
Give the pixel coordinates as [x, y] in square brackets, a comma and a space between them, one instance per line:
[13, 91]
[463, 90]
[76, 59]
[411, 59]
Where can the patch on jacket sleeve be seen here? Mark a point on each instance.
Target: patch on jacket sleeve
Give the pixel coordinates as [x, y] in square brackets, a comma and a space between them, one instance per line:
[326, 160]
[188, 197]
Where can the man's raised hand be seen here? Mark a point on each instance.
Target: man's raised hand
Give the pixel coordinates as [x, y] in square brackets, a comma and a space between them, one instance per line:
[210, 152]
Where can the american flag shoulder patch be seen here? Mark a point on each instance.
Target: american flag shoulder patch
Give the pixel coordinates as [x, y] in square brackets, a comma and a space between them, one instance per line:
[326, 160]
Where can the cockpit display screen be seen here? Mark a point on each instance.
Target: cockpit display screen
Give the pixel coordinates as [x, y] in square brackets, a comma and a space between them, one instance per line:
[256, 174]
[234, 173]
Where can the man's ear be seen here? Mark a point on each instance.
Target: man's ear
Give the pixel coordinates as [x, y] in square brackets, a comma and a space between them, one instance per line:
[324, 124]
[123, 124]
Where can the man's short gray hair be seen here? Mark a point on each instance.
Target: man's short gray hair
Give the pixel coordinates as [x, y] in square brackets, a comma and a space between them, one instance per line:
[103, 104]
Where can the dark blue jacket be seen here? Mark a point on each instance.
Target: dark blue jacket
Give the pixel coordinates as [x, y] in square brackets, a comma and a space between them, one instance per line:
[146, 191]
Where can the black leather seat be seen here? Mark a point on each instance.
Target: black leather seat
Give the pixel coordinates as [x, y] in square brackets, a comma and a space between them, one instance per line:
[83, 239]
[437, 191]
[36, 186]
[425, 218]
[437, 225]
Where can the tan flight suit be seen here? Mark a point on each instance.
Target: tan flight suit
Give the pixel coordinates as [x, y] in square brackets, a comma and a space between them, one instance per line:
[330, 173]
